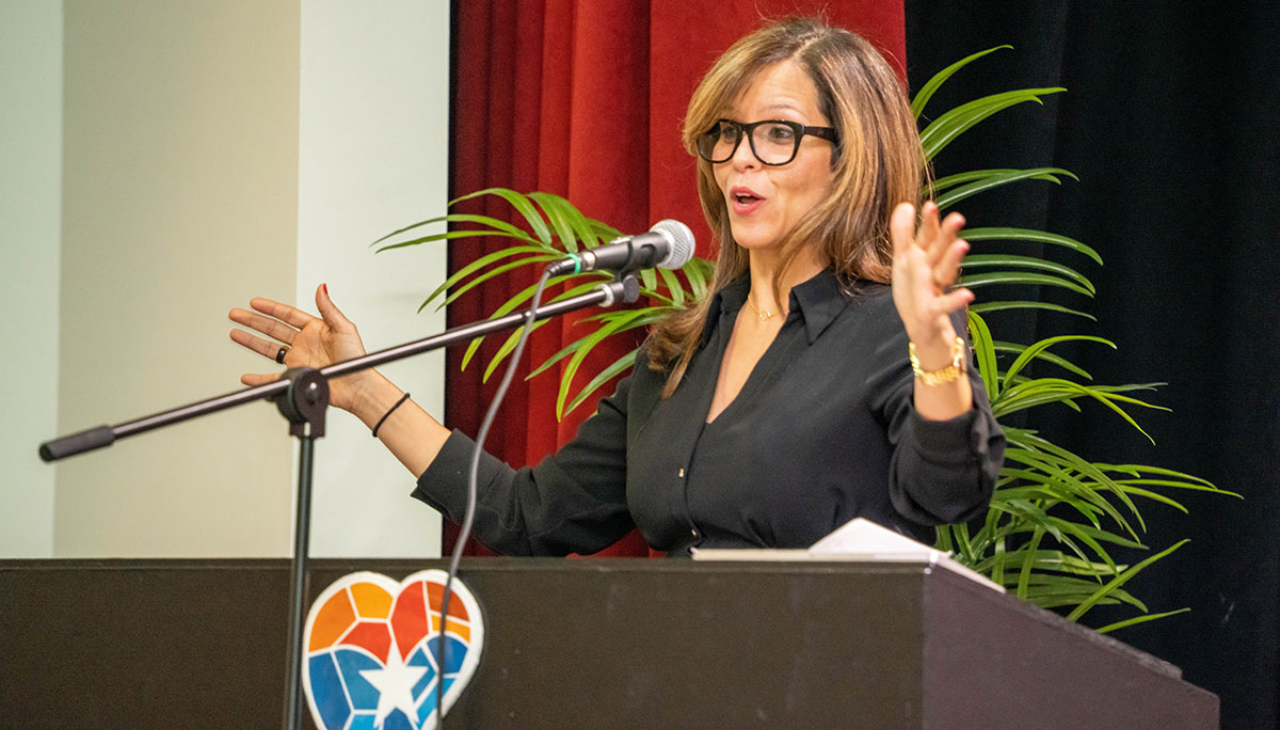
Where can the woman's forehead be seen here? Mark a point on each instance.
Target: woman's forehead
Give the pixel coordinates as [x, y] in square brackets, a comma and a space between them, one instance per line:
[779, 88]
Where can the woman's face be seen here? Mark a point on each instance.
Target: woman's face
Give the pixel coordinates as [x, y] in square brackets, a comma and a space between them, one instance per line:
[766, 202]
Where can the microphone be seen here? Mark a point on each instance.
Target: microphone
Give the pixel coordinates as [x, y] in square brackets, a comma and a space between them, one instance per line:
[668, 245]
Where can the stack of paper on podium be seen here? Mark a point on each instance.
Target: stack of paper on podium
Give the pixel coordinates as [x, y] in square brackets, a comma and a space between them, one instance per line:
[859, 540]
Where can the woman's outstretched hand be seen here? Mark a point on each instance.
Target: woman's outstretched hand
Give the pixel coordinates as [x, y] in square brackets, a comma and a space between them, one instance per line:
[310, 341]
[403, 427]
[926, 263]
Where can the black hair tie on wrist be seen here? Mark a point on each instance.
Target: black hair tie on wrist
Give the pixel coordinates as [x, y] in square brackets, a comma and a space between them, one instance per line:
[391, 410]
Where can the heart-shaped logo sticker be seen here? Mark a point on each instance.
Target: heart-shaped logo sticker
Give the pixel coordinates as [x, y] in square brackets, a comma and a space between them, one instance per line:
[372, 650]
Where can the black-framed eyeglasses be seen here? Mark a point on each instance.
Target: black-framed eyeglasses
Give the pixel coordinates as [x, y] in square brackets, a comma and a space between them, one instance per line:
[773, 141]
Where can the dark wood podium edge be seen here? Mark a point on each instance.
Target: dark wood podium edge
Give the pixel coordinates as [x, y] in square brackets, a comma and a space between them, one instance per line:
[1143, 675]
[1057, 623]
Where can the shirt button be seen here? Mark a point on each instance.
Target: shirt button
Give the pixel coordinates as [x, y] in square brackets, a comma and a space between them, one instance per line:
[682, 472]
[693, 532]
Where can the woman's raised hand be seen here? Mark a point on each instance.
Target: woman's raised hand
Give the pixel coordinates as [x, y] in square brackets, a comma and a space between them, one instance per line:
[926, 263]
[308, 341]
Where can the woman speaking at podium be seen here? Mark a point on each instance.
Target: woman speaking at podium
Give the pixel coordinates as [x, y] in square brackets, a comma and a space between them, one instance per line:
[824, 377]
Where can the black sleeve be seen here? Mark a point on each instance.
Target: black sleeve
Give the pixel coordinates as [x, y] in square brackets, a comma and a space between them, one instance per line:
[941, 471]
[572, 501]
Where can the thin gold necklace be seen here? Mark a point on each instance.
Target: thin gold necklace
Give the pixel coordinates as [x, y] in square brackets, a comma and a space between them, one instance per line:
[764, 316]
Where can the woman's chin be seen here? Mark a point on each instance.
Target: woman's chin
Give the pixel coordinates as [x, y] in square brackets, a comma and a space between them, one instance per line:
[758, 245]
[753, 238]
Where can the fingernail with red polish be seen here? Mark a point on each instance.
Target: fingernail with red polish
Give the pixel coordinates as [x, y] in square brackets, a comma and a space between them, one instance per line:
[326, 289]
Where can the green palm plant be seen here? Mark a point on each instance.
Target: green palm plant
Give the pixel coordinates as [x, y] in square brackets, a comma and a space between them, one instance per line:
[1055, 518]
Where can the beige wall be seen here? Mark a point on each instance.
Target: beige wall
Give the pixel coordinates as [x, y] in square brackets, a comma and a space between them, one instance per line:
[179, 201]
[165, 161]
[30, 215]
[373, 136]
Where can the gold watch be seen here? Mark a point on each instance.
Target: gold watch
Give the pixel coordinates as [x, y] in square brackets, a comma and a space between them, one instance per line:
[949, 374]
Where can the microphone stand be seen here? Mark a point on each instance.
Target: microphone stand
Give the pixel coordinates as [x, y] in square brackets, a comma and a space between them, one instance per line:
[302, 397]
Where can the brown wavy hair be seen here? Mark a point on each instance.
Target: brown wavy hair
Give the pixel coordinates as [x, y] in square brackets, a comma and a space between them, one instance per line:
[878, 163]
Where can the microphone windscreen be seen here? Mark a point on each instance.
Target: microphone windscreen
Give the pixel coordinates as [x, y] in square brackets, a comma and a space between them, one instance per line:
[682, 243]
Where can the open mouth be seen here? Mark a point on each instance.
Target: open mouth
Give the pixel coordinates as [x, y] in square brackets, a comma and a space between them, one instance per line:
[744, 198]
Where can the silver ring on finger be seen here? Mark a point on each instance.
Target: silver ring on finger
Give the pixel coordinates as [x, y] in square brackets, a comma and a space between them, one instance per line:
[280, 354]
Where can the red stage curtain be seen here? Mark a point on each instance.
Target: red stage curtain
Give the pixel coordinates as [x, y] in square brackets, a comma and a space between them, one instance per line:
[586, 100]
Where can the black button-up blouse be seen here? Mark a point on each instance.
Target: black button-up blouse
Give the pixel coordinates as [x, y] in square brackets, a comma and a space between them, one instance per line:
[823, 431]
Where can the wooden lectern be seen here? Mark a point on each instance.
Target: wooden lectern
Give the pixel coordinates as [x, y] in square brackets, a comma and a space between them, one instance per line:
[602, 643]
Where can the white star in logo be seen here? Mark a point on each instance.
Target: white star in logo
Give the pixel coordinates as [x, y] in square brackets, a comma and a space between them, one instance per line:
[394, 682]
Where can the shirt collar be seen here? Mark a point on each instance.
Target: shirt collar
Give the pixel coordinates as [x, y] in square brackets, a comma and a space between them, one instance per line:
[818, 301]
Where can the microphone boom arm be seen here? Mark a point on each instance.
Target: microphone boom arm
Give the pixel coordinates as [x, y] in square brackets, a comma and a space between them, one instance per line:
[625, 288]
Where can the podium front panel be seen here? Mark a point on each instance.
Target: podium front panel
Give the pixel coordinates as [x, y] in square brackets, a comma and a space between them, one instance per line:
[593, 643]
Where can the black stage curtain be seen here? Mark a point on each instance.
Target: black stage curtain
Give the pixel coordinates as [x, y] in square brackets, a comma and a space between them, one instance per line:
[1170, 120]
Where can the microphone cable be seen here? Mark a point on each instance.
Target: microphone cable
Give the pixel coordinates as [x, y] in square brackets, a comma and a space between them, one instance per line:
[442, 648]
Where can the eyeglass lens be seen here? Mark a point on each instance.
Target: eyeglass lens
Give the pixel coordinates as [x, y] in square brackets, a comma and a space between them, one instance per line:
[774, 143]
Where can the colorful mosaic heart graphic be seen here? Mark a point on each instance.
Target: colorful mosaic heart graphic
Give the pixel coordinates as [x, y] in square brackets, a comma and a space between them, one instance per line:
[372, 651]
